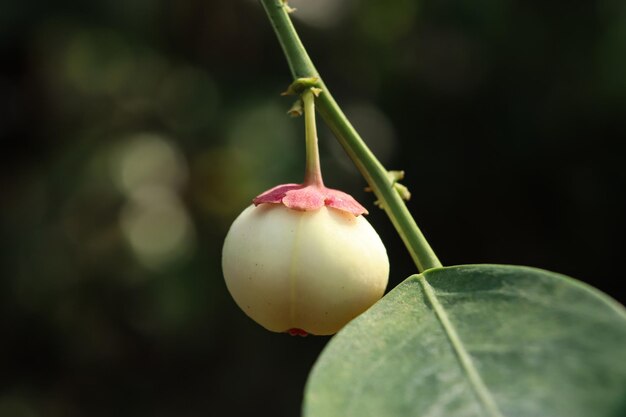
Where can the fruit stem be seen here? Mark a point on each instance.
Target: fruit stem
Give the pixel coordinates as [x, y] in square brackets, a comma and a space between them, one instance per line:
[313, 172]
[372, 170]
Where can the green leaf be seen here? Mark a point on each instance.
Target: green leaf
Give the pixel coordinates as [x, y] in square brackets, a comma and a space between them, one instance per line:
[477, 340]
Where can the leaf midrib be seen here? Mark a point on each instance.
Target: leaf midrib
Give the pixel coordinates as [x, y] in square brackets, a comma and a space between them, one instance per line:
[467, 364]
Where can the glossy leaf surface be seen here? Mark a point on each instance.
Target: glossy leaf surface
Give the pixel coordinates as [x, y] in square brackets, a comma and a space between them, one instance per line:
[477, 340]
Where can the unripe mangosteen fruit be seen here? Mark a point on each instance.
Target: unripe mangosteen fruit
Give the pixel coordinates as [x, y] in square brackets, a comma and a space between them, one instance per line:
[303, 259]
[303, 271]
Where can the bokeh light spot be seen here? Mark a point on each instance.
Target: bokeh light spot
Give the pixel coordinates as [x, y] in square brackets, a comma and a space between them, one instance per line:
[148, 159]
[98, 62]
[267, 139]
[157, 226]
[386, 22]
[320, 13]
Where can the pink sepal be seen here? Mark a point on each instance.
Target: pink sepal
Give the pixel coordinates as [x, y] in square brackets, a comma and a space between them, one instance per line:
[309, 198]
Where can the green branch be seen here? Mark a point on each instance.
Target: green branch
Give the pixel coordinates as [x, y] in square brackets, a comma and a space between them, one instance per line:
[375, 174]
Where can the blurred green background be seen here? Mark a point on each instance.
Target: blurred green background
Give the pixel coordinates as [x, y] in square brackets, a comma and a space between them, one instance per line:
[133, 133]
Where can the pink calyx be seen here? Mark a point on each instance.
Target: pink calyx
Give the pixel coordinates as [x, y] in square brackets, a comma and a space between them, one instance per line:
[309, 198]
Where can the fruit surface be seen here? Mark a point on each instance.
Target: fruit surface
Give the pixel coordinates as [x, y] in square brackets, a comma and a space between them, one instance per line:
[310, 270]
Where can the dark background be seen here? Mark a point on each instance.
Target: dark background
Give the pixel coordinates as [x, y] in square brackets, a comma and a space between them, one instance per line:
[133, 133]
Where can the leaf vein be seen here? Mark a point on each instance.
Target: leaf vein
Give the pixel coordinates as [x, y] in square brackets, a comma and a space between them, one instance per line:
[466, 362]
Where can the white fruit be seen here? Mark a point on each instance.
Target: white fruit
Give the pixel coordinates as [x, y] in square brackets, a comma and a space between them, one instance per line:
[310, 270]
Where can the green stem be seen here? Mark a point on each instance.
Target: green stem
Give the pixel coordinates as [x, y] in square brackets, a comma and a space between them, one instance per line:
[375, 174]
[313, 172]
